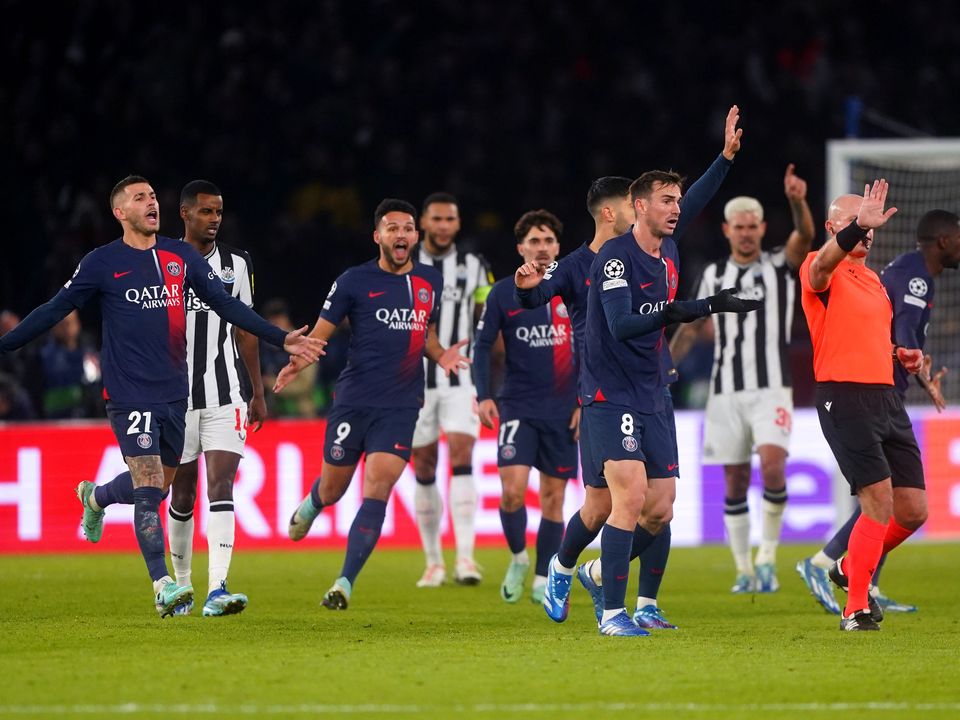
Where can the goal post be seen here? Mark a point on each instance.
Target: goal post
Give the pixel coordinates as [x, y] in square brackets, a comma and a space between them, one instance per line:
[924, 174]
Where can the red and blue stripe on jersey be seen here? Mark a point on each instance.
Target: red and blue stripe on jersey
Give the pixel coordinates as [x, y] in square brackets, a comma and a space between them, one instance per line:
[632, 372]
[142, 301]
[389, 317]
[540, 375]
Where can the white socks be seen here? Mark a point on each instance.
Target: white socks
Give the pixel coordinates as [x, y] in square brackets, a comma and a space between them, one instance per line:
[822, 560]
[180, 532]
[463, 511]
[558, 568]
[738, 530]
[770, 536]
[220, 534]
[429, 511]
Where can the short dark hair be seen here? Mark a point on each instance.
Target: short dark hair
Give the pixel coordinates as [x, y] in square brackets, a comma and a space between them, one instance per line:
[537, 218]
[935, 224]
[606, 188]
[122, 185]
[389, 205]
[188, 196]
[438, 197]
[643, 186]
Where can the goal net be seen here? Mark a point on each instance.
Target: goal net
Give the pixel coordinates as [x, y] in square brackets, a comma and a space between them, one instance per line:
[924, 174]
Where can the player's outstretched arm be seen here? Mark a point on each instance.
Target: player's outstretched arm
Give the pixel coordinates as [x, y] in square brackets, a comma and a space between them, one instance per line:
[800, 240]
[625, 324]
[320, 334]
[932, 384]
[37, 322]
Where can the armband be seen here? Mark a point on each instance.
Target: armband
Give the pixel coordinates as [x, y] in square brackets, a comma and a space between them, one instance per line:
[852, 234]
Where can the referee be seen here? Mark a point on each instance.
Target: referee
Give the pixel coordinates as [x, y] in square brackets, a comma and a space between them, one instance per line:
[861, 414]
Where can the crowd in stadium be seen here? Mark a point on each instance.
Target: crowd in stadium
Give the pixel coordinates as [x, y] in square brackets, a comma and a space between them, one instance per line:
[306, 121]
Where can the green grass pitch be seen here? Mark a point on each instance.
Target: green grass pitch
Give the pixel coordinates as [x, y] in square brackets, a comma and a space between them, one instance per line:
[79, 637]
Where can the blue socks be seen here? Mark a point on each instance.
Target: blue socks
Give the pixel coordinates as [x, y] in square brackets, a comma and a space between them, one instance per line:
[363, 536]
[315, 495]
[653, 563]
[548, 542]
[837, 545]
[575, 541]
[515, 528]
[146, 523]
[615, 565]
[117, 491]
[641, 541]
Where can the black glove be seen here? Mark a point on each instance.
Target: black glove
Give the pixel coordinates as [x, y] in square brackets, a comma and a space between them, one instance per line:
[727, 301]
[681, 312]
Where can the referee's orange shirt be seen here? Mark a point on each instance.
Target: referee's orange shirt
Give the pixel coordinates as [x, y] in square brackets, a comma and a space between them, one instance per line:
[850, 325]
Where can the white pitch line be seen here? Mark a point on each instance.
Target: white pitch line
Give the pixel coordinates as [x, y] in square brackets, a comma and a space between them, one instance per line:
[477, 708]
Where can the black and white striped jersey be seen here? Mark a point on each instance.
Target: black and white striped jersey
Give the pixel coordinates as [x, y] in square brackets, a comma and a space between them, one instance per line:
[213, 363]
[466, 281]
[750, 349]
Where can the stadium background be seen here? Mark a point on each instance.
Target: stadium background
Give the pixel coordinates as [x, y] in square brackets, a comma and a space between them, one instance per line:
[307, 114]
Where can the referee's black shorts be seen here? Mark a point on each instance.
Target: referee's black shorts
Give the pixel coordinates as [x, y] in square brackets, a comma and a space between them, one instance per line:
[870, 434]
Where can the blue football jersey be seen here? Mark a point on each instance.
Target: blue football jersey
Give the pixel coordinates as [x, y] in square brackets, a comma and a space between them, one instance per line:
[389, 316]
[910, 288]
[142, 297]
[630, 372]
[539, 379]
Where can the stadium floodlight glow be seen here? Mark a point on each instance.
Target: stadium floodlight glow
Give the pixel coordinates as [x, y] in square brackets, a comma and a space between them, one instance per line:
[924, 174]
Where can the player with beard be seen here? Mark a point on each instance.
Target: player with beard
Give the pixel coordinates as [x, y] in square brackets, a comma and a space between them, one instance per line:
[391, 303]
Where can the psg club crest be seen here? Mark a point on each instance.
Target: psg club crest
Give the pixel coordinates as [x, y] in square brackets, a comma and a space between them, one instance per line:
[144, 440]
[336, 452]
[423, 295]
[630, 443]
[613, 269]
[562, 310]
[508, 452]
[173, 268]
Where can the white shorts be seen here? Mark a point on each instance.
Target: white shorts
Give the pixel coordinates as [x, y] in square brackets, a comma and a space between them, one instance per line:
[738, 422]
[454, 409]
[221, 428]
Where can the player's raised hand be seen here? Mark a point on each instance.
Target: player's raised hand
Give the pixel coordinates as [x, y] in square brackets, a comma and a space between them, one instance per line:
[932, 384]
[794, 187]
[488, 413]
[529, 275]
[304, 346]
[286, 375]
[871, 214]
[731, 133]
[452, 361]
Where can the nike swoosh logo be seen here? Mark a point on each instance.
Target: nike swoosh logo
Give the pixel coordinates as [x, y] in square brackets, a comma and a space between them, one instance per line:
[511, 313]
[120, 275]
[672, 467]
[622, 577]
[645, 285]
[376, 294]
[588, 282]
[567, 468]
[398, 446]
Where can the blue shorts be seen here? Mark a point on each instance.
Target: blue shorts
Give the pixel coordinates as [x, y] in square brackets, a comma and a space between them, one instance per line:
[592, 475]
[353, 431]
[150, 429]
[618, 433]
[547, 445]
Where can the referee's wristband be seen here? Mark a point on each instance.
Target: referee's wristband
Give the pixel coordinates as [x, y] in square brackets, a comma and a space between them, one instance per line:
[852, 234]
